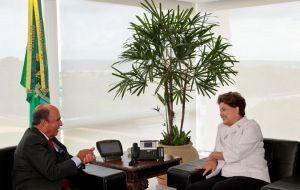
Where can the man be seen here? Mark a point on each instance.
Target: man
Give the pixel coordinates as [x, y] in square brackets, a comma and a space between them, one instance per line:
[41, 162]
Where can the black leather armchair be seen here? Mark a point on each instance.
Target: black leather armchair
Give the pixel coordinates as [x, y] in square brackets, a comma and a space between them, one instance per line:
[283, 157]
[6, 161]
[99, 178]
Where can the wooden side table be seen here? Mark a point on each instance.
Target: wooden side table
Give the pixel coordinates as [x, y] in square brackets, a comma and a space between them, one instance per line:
[137, 175]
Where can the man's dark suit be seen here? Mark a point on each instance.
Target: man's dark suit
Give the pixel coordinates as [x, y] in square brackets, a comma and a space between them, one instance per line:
[37, 166]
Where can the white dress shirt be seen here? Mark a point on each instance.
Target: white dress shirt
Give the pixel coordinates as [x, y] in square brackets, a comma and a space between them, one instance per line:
[243, 150]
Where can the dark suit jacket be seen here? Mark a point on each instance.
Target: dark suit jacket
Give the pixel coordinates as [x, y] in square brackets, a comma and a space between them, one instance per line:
[37, 166]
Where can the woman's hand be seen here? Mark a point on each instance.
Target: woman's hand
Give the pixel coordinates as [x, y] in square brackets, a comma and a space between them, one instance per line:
[210, 165]
[216, 156]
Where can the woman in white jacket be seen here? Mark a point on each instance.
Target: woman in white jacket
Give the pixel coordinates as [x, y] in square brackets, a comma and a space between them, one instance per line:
[237, 162]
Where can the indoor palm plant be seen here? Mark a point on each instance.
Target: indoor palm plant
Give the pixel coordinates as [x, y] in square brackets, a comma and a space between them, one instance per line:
[177, 51]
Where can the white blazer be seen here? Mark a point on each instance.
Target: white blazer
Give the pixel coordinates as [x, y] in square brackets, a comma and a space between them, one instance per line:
[243, 151]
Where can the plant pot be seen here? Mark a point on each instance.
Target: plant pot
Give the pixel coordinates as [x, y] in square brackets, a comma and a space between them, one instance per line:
[186, 152]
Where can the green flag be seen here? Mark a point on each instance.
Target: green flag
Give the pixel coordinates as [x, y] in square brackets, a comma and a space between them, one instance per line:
[35, 70]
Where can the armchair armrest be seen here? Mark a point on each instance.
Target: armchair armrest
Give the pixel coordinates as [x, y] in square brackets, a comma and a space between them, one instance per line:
[288, 183]
[182, 175]
[102, 178]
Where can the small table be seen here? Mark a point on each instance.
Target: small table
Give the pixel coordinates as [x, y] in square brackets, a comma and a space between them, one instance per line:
[137, 175]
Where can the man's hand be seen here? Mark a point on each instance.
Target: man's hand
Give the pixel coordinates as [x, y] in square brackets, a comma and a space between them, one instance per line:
[210, 165]
[86, 155]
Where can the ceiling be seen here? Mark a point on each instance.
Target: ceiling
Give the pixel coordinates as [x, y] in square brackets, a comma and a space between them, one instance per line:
[204, 5]
[229, 4]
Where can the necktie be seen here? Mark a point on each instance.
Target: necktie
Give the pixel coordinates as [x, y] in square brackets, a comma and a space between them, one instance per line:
[51, 143]
[66, 184]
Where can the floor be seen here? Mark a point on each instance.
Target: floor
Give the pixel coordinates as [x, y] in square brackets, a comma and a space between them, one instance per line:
[153, 185]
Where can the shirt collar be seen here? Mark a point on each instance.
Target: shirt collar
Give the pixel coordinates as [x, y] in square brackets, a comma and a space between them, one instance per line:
[45, 135]
[239, 123]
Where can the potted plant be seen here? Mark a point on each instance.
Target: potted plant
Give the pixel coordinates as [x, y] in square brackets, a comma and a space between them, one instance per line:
[177, 51]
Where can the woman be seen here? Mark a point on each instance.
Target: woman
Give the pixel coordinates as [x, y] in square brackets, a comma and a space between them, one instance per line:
[237, 162]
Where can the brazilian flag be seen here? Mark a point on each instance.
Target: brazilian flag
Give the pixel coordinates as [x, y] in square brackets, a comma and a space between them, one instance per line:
[35, 70]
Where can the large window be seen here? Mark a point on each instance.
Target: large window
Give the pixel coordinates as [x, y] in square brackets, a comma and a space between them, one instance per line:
[266, 41]
[92, 36]
[13, 35]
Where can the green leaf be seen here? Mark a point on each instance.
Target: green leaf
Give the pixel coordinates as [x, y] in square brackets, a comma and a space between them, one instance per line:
[176, 53]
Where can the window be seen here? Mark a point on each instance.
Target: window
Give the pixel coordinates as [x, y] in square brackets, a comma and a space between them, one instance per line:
[14, 108]
[92, 35]
[265, 40]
